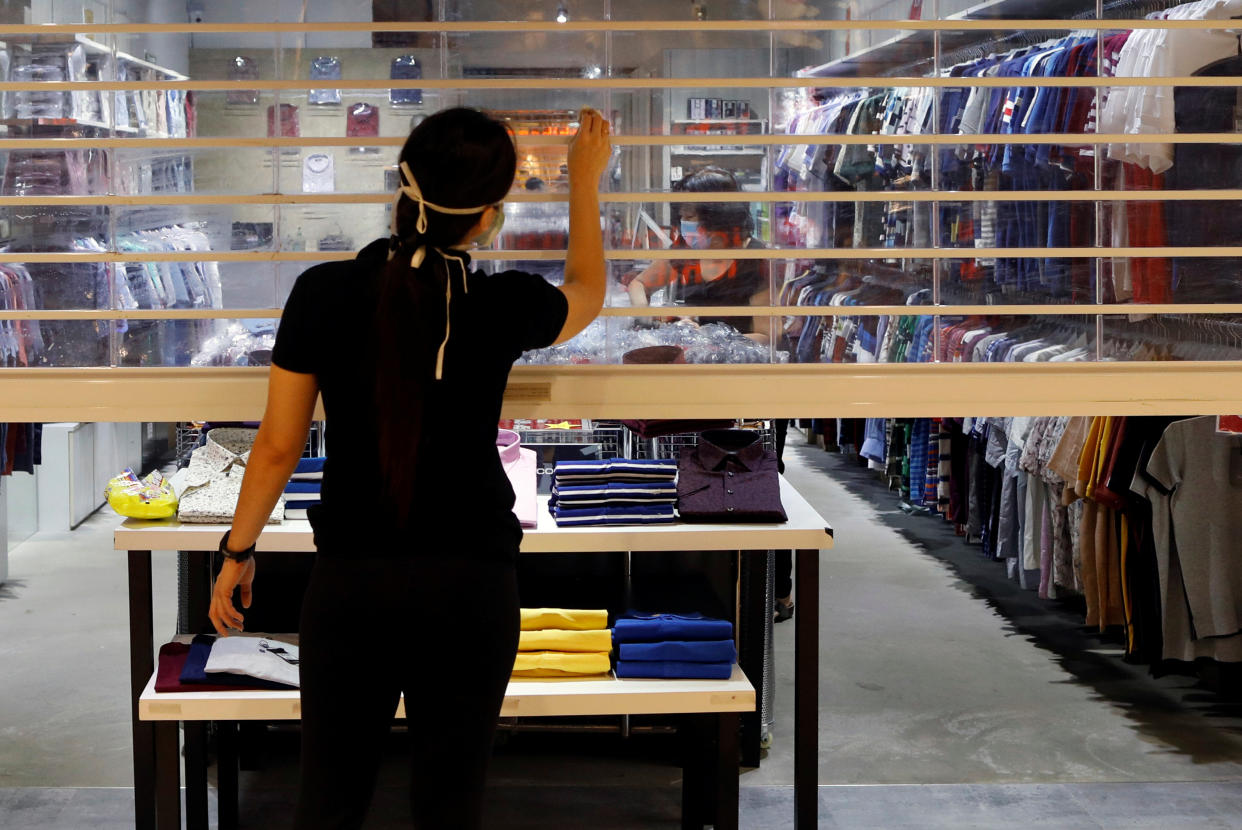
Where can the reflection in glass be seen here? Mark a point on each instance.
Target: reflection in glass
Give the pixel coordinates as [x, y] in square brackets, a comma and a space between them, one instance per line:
[644, 341]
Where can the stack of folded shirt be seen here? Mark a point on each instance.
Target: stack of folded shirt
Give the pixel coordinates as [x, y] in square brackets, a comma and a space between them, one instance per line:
[560, 642]
[240, 662]
[302, 491]
[687, 646]
[613, 492]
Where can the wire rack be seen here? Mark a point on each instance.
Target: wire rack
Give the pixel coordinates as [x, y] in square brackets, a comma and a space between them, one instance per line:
[670, 446]
[609, 437]
[190, 437]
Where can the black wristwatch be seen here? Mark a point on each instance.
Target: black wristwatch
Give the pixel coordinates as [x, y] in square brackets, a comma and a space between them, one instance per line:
[236, 556]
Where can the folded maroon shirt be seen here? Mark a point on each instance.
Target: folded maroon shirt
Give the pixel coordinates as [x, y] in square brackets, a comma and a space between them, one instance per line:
[172, 661]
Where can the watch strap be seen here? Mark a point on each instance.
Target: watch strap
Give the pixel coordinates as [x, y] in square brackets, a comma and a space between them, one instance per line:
[236, 556]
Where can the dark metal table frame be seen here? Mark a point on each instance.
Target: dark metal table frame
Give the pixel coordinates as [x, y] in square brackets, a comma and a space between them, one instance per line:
[711, 773]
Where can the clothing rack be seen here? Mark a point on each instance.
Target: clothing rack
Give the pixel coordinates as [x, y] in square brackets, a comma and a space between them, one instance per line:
[1131, 8]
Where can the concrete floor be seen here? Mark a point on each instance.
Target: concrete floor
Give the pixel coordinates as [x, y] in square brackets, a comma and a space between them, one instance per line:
[923, 682]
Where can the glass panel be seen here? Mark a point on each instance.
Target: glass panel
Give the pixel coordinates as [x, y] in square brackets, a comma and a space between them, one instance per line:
[1173, 337]
[661, 340]
[1047, 338]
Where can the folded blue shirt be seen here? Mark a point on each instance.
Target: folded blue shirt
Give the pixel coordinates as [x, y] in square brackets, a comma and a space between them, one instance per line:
[624, 515]
[615, 470]
[195, 669]
[671, 669]
[683, 651]
[309, 466]
[654, 628]
[312, 487]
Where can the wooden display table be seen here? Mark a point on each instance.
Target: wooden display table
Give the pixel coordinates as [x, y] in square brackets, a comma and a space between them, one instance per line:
[156, 716]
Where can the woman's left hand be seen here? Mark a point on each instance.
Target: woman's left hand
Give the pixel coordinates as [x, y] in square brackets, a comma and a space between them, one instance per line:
[223, 613]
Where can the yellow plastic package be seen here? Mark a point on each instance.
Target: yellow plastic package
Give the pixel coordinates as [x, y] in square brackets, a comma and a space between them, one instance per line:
[152, 497]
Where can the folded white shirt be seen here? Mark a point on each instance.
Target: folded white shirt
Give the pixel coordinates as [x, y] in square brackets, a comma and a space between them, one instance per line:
[262, 657]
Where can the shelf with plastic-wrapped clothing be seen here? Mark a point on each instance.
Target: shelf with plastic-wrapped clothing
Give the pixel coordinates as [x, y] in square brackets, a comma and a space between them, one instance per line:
[920, 220]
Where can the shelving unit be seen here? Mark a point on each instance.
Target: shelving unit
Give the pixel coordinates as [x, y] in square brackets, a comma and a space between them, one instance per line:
[155, 716]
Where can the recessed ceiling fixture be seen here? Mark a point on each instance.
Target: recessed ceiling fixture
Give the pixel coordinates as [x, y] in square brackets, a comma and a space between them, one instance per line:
[562, 14]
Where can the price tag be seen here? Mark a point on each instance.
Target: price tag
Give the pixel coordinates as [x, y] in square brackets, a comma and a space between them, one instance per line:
[1229, 424]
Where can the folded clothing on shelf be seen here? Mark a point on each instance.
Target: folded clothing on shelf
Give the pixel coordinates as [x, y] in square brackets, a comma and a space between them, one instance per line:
[614, 494]
[679, 651]
[194, 671]
[309, 469]
[262, 657]
[564, 619]
[301, 491]
[615, 470]
[621, 515]
[618, 491]
[556, 639]
[729, 477]
[170, 669]
[560, 663]
[522, 469]
[214, 477]
[300, 496]
[672, 670]
[634, 627]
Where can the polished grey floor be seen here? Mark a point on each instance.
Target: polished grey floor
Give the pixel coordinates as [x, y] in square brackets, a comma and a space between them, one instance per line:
[936, 710]
[1178, 806]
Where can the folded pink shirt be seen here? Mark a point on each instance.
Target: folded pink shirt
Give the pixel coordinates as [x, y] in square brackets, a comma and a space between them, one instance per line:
[520, 466]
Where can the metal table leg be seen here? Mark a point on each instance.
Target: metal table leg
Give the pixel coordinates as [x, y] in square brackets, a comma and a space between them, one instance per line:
[727, 771]
[806, 692]
[751, 642]
[196, 731]
[694, 773]
[226, 774]
[195, 775]
[141, 666]
[167, 775]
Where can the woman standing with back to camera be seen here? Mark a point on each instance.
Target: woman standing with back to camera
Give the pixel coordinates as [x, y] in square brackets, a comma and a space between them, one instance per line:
[414, 587]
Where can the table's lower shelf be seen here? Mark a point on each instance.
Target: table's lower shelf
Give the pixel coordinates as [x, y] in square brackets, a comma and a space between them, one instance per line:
[534, 698]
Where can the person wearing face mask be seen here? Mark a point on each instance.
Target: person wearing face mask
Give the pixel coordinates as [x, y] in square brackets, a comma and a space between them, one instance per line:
[411, 351]
[711, 282]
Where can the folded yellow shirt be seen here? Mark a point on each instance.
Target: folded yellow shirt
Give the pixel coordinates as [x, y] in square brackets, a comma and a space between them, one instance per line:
[558, 640]
[565, 619]
[560, 664]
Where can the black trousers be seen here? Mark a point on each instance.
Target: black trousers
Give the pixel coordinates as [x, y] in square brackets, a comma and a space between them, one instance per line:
[374, 628]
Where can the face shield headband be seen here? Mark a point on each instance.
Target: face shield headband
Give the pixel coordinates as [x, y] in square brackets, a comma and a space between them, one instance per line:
[410, 189]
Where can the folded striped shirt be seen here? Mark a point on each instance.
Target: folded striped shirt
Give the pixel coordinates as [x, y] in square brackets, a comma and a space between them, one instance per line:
[604, 495]
[627, 515]
[309, 469]
[620, 470]
[302, 500]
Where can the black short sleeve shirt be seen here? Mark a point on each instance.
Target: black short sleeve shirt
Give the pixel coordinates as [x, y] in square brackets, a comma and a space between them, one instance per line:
[464, 501]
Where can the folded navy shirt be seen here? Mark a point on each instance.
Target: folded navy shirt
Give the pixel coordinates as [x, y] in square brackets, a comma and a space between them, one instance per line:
[614, 493]
[194, 672]
[683, 651]
[303, 487]
[671, 669]
[653, 628]
[614, 515]
[309, 469]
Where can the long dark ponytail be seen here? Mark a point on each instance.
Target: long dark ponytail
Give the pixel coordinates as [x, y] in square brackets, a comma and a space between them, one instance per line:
[460, 158]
